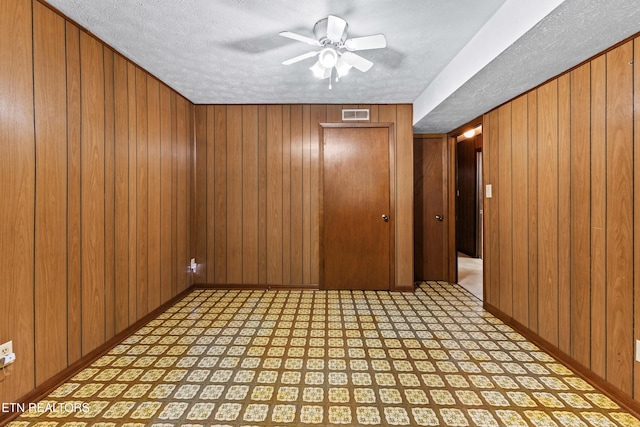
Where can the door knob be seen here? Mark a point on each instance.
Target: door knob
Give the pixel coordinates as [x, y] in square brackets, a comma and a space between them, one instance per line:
[385, 218]
[439, 218]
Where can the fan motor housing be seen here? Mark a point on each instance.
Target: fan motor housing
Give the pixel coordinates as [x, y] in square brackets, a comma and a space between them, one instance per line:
[320, 31]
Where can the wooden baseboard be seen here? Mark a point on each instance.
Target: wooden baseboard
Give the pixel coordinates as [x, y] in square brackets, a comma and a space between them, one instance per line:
[52, 383]
[254, 286]
[410, 288]
[310, 287]
[572, 364]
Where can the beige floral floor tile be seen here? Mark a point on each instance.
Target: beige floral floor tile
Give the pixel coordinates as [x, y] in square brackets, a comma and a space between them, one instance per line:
[326, 358]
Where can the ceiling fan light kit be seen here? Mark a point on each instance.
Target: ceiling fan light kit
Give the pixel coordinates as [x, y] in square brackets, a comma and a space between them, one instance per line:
[335, 57]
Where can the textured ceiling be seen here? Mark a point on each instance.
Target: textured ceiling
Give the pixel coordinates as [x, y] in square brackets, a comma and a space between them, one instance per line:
[229, 51]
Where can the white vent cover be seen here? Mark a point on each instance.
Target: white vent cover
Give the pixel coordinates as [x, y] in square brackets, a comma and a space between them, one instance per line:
[361, 114]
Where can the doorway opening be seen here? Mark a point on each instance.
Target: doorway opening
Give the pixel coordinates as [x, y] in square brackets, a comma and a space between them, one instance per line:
[469, 210]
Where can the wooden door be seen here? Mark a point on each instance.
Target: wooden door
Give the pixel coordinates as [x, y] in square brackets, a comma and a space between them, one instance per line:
[431, 247]
[356, 239]
[466, 197]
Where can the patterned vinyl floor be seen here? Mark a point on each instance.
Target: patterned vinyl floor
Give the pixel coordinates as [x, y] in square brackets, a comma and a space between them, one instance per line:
[303, 358]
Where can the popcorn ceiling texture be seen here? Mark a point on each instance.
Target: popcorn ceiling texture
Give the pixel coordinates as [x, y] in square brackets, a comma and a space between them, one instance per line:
[229, 51]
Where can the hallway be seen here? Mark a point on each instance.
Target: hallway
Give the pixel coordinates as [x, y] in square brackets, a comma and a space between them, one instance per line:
[470, 274]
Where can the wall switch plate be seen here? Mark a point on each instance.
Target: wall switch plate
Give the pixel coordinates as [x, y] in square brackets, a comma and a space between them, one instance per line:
[488, 192]
[637, 350]
[6, 348]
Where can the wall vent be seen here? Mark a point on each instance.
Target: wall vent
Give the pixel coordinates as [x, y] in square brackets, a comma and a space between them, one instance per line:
[361, 114]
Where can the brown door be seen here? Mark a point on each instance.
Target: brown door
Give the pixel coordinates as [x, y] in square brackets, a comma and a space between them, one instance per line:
[356, 237]
[431, 249]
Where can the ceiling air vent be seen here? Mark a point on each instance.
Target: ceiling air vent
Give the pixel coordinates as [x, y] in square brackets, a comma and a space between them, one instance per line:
[362, 114]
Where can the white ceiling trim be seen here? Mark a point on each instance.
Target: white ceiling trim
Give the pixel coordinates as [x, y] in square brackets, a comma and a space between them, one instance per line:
[503, 29]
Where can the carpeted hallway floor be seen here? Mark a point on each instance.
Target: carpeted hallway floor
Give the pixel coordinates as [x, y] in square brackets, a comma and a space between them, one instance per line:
[295, 358]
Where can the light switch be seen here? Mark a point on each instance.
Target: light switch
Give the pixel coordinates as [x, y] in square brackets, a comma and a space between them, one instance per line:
[637, 350]
[487, 191]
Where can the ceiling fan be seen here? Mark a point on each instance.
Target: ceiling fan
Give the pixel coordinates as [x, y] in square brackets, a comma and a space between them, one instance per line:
[336, 50]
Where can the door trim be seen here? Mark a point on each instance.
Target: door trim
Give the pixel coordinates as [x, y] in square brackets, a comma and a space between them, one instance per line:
[451, 207]
[393, 285]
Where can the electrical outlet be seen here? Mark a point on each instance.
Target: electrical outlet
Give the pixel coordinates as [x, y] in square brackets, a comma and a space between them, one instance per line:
[8, 359]
[6, 348]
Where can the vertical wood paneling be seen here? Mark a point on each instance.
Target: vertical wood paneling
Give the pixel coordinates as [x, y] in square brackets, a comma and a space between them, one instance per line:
[189, 160]
[306, 196]
[121, 194]
[182, 195]
[486, 209]
[286, 194]
[262, 194]
[532, 132]
[109, 194]
[334, 113]
[249, 194]
[619, 222]
[109, 109]
[580, 214]
[318, 115]
[211, 194]
[505, 206]
[492, 207]
[51, 196]
[201, 192]
[259, 179]
[404, 199]
[153, 165]
[274, 193]
[133, 186]
[220, 225]
[598, 215]
[234, 194]
[17, 156]
[92, 192]
[296, 195]
[373, 114]
[564, 214]
[520, 235]
[636, 210]
[548, 211]
[74, 272]
[142, 194]
[166, 197]
[70, 241]
[174, 191]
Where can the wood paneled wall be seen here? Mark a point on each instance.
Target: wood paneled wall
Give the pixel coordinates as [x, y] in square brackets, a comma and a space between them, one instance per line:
[256, 197]
[95, 178]
[561, 254]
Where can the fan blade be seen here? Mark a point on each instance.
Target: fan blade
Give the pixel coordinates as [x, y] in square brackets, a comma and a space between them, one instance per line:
[300, 58]
[377, 41]
[298, 37]
[335, 28]
[357, 61]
